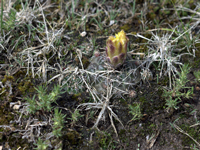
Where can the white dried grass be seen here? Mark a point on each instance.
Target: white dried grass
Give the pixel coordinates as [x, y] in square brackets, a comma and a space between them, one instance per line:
[161, 49]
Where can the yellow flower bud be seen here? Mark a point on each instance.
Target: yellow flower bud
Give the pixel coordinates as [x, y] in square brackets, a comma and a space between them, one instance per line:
[116, 49]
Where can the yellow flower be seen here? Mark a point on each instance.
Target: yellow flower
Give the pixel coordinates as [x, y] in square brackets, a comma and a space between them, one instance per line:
[116, 49]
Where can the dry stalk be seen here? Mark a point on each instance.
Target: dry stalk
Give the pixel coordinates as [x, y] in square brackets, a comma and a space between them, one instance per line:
[180, 130]
[103, 105]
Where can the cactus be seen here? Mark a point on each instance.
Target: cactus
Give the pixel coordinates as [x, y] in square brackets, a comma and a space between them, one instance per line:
[123, 81]
[127, 74]
[116, 49]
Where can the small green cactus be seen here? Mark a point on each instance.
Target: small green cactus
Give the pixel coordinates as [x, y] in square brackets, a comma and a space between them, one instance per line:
[116, 49]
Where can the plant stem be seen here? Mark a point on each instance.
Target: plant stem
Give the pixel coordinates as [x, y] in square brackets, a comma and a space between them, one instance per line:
[1, 17]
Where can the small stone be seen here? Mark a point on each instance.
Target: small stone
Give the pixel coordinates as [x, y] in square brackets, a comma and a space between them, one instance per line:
[16, 107]
[111, 22]
[197, 88]
[83, 34]
[96, 54]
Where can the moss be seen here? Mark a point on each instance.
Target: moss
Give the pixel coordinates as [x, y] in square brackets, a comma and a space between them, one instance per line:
[193, 132]
[148, 129]
[25, 85]
[160, 92]
[5, 114]
[125, 27]
[7, 78]
[164, 81]
[85, 62]
[122, 131]
[105, 140]
[76, 96]
[191, 2]
[73, 137]
[142, 99]
[17, 5]
[3, 93]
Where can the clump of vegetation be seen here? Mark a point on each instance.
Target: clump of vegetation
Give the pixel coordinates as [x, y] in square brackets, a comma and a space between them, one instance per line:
[41, 145]
[162, 50]
[135, 111]
[10, 20]
[173, 97]
[197, 76]
[75, 116]
[58, 123]
[43, 100]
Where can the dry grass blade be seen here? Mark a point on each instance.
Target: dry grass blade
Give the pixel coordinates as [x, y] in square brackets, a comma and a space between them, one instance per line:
[196, 124]
[88, 88]
[103, 105]
[161, 49]
[180, 130]
[151, 141]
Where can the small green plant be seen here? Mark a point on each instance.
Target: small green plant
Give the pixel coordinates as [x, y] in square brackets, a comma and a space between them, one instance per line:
[41, 145]
[68, 23]
[106, 141]
[173, 96]
[181, 82]
[113, 15]
[133, 8]
[58, 122]
[98, 22]
[135, 111]
[44, 99]
[10, 21]
[75, 116]
[197, 76]
[32, 104]
[172, 103]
